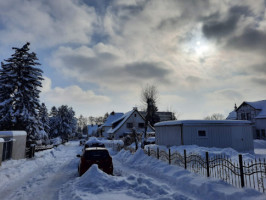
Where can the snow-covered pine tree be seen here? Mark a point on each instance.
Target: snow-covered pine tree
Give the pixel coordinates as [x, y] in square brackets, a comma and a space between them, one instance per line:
[44, 118]
[53, 123]
[21, 99]
[67, 122]
[7, 86]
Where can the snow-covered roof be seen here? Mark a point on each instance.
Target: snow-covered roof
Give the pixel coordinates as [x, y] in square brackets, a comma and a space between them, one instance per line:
[12, 133]
[202, 122]
[111, 118]
[123, 119]
[232, 115]
[92, 129]
[258, 105]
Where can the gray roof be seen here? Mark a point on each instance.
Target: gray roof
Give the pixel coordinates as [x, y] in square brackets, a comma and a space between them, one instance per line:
[111, 118]
[202, 122]
[259, 105]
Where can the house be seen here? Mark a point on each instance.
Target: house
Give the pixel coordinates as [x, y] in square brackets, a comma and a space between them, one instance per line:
[236, 134]
[254, 112]
[108, 123]
[12, 145]
[125, 124]
[164, 116]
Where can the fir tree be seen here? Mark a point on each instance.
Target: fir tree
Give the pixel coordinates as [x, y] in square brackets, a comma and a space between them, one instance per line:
[44, 118]
[20, 82]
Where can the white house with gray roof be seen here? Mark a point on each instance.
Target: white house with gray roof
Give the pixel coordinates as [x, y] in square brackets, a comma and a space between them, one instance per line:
[256, 113]
[124, 125]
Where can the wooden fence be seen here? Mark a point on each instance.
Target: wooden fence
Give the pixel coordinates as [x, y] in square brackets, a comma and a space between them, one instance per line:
[250, 174]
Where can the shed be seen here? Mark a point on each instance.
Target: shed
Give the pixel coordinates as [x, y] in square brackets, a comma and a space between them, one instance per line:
[14, 144]
[236, 134]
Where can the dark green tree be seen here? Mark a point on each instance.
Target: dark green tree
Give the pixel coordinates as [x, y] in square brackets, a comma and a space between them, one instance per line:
[20, 81]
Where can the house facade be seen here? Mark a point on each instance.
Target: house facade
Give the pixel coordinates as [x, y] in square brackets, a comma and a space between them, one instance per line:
[126, 123]
[254, 112]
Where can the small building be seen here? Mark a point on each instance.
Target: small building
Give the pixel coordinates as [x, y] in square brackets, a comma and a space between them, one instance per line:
[236, 134]
[12, 145]
[125, 125]
[256, 113]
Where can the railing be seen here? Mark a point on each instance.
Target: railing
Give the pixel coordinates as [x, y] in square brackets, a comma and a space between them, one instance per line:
[250, 174]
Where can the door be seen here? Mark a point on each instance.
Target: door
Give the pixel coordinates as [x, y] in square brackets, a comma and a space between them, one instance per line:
[7, 150]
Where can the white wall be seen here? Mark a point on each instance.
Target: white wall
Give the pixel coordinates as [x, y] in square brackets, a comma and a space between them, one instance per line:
[238, 137]
[168, 135]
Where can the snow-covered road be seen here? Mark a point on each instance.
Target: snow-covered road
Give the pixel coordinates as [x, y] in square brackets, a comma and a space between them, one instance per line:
[52, 174]
[41, 177]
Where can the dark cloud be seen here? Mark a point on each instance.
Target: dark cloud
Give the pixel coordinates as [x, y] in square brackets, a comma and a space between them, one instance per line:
[215, 28]
[259, 81]
[250, 40]
[146, 70]
[193, 79]
[261, 68]
[84, 63]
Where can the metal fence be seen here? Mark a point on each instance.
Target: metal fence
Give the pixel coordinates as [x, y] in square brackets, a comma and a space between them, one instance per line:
[250, 174]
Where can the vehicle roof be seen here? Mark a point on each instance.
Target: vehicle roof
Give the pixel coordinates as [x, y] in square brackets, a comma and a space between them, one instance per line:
[95, 148]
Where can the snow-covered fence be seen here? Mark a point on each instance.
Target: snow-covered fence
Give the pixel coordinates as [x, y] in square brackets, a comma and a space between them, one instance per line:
[43, 147]
[116, 145]
[250, 174]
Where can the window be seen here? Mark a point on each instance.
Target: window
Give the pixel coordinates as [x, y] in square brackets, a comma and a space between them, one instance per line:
[202, 133]
[129, 125]
[248, 116]
[135, 115]
[141, 125]
[263, 133]
[257, 134]
[243, 116]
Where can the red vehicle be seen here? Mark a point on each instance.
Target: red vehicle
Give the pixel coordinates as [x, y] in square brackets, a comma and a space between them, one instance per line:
[95, 155]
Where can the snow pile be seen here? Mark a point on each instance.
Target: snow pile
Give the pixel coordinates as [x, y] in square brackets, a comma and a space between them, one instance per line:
[143, 177]
[56, 141]
[260, 148]
[12, 170]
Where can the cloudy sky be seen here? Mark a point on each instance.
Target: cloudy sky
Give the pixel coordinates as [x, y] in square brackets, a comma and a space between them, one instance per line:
[203, 56]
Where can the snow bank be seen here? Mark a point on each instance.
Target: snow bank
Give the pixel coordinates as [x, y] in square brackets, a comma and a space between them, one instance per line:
[12, 170]
[195, 185]
[56, 141]
[259, 144]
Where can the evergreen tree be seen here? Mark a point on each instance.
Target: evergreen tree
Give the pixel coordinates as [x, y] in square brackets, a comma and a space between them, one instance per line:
[44, 118]
[53, 123]
[20, 81]
[67, 122]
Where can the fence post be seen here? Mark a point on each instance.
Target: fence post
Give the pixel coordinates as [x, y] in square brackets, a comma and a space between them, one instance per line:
[169, 156]
[207, 162]
[185, 158]
[149, 152]
[158, 154]
[241, 170]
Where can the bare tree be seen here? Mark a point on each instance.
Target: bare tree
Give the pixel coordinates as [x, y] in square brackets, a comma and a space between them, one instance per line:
[149, 97]
[215, 116]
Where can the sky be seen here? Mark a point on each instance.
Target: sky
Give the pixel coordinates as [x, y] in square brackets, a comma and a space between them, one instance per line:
[203, 56]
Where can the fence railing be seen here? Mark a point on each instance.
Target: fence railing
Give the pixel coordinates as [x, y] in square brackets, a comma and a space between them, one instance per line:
[250, 174]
